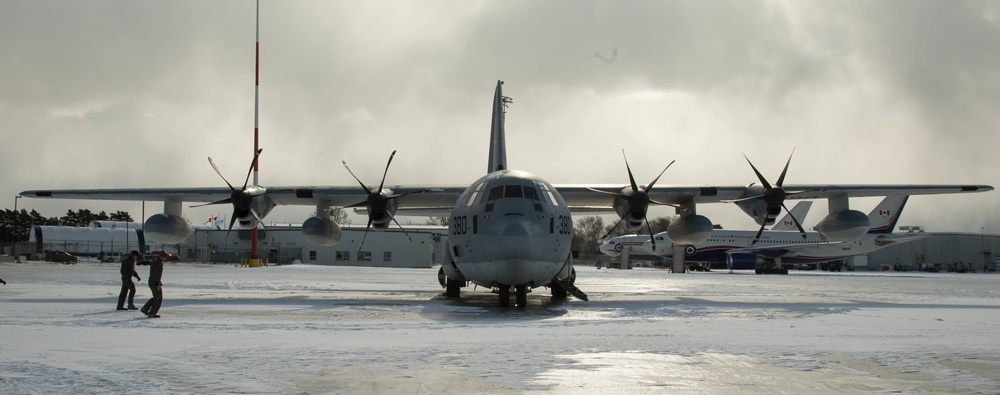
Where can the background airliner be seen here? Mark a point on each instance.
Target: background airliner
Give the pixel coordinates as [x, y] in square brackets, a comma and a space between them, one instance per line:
[615, 245]
[509, 230]
[734, 248]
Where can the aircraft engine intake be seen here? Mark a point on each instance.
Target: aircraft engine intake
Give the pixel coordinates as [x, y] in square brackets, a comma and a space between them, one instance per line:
[757, 209]
[846, 225]
[691, 229]
[167, 229]
[631, 211]
[321, 231]
[744, 261]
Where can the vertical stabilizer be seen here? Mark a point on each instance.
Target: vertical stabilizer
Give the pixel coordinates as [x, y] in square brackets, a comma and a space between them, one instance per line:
[884, 216]
[498, 144]
[798, 212]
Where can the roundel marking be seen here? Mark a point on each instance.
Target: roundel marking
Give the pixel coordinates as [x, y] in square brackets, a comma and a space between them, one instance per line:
[618, 247]
[690, 250]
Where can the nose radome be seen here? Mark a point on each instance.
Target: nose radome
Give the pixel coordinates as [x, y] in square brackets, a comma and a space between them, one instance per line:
[515, 228]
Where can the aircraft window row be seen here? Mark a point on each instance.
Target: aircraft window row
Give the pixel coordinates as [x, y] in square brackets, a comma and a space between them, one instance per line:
[512, 192]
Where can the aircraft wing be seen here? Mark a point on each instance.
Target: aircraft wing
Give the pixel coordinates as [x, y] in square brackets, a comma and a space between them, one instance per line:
[580, 198]
[583, 195]
[785, 250]
[338, 196]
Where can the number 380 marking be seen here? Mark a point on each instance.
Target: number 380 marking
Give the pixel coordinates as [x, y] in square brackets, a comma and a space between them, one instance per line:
[459, 225]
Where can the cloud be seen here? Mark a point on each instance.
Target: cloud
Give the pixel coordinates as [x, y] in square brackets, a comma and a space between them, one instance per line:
[112, 94]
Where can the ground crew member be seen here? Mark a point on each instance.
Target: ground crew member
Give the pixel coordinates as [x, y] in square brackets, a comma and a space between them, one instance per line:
[152, 307]
[128, 287]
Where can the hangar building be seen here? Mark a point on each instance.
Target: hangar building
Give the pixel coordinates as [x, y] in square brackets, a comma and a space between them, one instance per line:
[943, 251]
[284, 244]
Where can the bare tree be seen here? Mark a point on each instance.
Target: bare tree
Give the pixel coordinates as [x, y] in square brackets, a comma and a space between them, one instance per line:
[439, 221]
[588, 232]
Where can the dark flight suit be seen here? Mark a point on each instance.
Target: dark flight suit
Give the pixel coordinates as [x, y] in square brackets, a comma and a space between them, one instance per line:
[128, 287]
[155, 274]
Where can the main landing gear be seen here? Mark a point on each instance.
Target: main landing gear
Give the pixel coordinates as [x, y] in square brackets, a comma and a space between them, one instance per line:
[520, 295]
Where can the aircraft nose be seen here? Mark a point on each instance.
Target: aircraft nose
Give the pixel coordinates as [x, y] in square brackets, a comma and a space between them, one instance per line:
[515, 229]
[648, 246]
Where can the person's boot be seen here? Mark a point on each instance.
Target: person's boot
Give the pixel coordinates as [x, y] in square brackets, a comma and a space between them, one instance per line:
[132, 307]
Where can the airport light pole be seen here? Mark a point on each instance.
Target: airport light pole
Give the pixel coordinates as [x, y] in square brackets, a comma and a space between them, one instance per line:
[13, 233]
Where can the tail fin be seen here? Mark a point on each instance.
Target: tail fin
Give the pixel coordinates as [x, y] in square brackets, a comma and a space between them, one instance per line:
[498, 144]
[884, 216]
[800, 211]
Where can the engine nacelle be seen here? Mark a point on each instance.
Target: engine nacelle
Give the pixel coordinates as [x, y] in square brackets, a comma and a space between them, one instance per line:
[691, 229]
[321, 231]
[847, 225]
[261, 204]
[633, 215]
[167, 229]
[757, 209]
[744, 261]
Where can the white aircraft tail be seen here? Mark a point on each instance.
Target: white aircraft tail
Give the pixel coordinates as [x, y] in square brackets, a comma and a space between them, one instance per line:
[884, 216]
[800, 211]
[498, 144]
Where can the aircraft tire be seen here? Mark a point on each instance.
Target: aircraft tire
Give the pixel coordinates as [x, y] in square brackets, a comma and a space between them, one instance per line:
[453, 288]
[504, 292]
[557, 291]
[521, 297]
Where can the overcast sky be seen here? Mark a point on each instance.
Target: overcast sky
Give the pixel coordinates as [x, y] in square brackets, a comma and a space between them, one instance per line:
[103, 94]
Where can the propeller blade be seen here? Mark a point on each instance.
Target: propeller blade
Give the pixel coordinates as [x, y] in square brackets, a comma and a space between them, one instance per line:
[253, 164]
[606, 192]
[760, 177]
[781, 178]
[226, 200]
[613, 228]
[356, 177]
[650, 186]
[359, 204]
[667, 204]
[210, 161]
[757, 237]
[743, 199]
[231, 222]
[631, 179]
[381, 184]
[257, 217]
[790, 194]
[365, 236]
[795, 220]
[400, 227]
[408, 193]
[650, 229]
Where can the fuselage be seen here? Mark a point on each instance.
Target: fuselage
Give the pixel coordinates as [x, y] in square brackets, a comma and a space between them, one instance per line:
[716, 248]
[510, 228]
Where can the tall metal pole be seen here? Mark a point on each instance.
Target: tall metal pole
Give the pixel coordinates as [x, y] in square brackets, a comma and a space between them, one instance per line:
[256, 134]
[13, 235]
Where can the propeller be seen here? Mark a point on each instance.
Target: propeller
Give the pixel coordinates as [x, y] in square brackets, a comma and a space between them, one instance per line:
[774, 197]
[637, 198]
[377, 203]
[242, 198]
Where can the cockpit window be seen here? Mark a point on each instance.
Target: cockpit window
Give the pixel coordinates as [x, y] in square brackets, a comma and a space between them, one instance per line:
[495, 193]
[531, 193]
[475, 194]
[546, 193]
[512, 191]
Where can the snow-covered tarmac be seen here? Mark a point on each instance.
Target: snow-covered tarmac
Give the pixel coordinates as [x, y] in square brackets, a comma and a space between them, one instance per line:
[314, 329]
